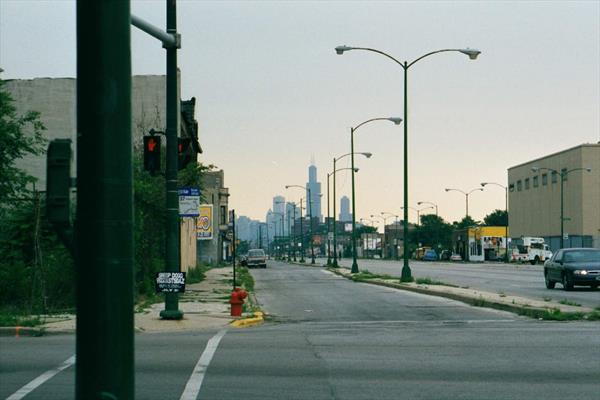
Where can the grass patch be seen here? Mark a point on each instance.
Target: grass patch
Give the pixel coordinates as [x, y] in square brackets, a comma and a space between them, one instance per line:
[547, 298]
[569, 303]
[429, 281]
[196, 275]
[365, 274]
[7, 319]
[557, 315]
[244, 278]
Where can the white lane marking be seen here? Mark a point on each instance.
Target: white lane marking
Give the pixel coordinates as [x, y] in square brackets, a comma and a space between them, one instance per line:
[31, 386]
[192, 388]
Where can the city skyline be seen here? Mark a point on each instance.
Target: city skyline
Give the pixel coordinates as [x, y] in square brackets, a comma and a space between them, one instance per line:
[534, 90]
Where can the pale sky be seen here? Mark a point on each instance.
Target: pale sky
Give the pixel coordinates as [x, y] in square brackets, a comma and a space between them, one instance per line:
[271, 92]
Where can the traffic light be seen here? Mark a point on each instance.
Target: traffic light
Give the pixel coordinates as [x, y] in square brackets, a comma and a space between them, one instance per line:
[152, 154]
[184, 152]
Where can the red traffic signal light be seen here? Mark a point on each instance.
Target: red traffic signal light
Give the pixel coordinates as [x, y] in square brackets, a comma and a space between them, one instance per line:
[152, 154]
[184, 152]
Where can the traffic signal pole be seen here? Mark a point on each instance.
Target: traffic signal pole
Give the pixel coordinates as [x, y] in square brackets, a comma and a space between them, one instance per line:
[104, 220]
[171, 310]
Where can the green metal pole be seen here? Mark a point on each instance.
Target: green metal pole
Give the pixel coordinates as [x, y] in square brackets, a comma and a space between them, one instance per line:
[328, 226]
[354, 268]
[104, 221]
[301, 235]
[562, 219]
[335, 257]
[506, 231]
[312, 248]
[295, 245]
[406, 273]
[233, 246]
[171, 310]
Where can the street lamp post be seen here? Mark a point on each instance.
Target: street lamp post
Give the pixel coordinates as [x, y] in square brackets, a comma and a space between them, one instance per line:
[395, 231]
[483, 184]
[563, 176]
[428, 202]
[396, 121]
[334, 223]
[367, 155]
[384, 218]
[406, 272]
[312, 249]
[466, 196]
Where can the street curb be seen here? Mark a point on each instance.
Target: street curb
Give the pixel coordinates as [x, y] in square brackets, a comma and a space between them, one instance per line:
[247, 322]
[478, 301]
[18, 331]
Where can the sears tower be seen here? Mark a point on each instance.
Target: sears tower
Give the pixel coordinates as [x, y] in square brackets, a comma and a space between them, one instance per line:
[315, 192]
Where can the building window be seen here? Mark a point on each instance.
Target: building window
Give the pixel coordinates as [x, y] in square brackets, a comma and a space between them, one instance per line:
[563, 173]
[535, 181]
[554, 176]
[526, 183]
[223, 216]
[544, 179]
[519, 185]
[511, 187]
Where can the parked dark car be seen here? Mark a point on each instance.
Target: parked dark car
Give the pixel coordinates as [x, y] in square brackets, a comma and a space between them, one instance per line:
[573, 267]
[430, 255]
[445, 255]
[256, 258]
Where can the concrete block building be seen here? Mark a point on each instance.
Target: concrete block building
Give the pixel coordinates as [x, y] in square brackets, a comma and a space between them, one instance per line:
[535, 197]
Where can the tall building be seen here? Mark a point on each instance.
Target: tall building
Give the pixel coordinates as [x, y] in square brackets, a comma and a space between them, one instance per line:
[315, 193]
[290, 217]
[345, 209]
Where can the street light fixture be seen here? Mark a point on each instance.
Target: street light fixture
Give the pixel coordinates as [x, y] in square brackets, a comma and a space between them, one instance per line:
[472, 53]
[389, 214]
[483, 184]
[563, 176]
[466, 196]
[367, 155]
[418, 211]
[428, 202]
[396, 121]
[312, 249]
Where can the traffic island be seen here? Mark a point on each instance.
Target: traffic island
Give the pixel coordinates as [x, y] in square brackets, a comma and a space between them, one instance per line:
[545, 310]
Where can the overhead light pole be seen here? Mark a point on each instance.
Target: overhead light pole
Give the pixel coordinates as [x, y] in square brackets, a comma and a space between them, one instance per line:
[483, 184]
[312, 249]
[336, 159]
[389, 214]
[563, 176]
[396, 121]
[428, 202]
[466, 196]
[329, 263]
[406, 272]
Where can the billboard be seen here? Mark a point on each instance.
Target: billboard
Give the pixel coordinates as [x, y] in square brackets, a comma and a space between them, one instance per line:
[204, 224]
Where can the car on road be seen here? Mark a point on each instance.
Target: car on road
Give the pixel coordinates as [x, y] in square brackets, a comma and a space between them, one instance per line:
[430, 255]
[256, 258]
[573, 267]
[455, 257]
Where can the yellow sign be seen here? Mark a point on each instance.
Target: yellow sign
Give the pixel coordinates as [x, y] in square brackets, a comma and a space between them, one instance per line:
[204, 223]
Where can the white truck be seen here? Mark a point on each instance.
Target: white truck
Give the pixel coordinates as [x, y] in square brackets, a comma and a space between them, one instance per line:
[533, 249]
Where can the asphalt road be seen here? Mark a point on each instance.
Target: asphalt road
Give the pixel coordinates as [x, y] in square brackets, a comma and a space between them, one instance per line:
[330, 338]
[512, 279]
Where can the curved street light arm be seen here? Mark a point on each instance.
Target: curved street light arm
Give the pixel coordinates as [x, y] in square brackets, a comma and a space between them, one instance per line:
[472, 53]
[354, 129]
[483, 184]
[366, 154]
[457, 190]
[341, 49]
[476, 189]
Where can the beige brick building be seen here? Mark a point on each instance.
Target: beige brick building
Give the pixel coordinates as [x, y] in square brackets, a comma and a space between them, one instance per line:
[534, 197]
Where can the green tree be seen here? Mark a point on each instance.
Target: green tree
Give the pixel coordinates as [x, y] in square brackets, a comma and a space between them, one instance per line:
[20, 135]
[465, 223]
[434, 231]
[496, 218]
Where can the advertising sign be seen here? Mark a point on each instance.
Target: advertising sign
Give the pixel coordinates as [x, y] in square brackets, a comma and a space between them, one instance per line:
[204, 224]
[189, 202]
[170, 282]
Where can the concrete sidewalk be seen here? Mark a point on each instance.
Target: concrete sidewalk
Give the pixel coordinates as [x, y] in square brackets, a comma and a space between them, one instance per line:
[205, 306]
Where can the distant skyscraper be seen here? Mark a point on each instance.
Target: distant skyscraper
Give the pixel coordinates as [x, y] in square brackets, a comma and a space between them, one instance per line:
[279, 214]
[315, 189]
[345, 215]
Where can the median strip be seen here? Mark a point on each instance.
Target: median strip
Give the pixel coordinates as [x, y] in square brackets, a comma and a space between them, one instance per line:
[500, 301]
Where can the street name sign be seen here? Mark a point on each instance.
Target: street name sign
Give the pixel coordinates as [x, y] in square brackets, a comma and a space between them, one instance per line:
[189, 202]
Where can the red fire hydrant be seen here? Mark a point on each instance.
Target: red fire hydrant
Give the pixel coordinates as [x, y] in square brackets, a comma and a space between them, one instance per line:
[237, 300]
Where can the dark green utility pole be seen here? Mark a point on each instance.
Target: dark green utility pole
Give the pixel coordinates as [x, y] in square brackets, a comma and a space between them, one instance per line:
[335, 257]
[104, 219]
[171, 310]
